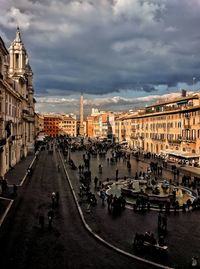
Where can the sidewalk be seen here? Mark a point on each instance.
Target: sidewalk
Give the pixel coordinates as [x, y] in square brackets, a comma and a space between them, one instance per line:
[16, 175]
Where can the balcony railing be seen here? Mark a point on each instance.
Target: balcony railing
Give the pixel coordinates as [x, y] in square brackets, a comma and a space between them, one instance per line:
[174, 141]
[157, 138]
[187, 126]
[186, 140]
[133, 136]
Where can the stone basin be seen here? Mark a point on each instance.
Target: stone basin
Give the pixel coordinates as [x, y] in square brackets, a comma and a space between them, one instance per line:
[162, 191]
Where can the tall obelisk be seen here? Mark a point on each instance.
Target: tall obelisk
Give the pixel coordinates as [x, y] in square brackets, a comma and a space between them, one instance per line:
[81, 130]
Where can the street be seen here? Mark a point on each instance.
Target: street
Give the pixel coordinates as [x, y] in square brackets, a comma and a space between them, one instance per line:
[68, 244]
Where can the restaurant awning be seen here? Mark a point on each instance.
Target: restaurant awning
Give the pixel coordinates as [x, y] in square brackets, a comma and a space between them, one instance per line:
[181, 154]
[182, 102]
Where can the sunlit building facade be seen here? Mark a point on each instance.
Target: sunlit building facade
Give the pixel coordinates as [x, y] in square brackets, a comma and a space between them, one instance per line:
[17, 104]
[59, 124]
[101, 124]
[173, 125]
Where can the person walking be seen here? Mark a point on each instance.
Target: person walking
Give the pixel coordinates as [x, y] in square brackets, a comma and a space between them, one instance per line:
[117, 172]
[95, 182]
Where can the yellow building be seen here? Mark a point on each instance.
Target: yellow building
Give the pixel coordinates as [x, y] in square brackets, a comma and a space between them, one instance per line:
[171, 127]
[68, 126]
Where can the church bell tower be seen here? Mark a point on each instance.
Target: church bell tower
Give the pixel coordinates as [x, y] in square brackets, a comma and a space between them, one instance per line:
[18, 56]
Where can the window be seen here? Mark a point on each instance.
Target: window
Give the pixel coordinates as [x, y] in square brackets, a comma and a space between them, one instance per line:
[17, 60]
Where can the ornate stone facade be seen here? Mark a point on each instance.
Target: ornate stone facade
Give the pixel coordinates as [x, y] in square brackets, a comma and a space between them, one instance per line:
[17, 105]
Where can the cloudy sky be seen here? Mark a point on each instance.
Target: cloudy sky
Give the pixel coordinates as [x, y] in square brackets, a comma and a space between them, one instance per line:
[119, 53]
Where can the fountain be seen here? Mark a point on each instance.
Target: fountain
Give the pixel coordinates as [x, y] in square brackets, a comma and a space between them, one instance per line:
[155, 192]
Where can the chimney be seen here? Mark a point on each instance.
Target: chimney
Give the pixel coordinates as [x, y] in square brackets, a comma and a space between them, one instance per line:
[183, 93]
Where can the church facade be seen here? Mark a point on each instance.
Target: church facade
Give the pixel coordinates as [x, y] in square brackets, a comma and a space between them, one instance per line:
[17, 104]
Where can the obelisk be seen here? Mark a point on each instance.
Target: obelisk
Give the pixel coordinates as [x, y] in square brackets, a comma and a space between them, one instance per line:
[81, 130]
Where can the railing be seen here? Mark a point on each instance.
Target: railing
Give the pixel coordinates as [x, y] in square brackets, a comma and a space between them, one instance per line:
[164, 109]
[133, 136]
[189, 140]
[157, 138]
[187, 126]
[174, 141]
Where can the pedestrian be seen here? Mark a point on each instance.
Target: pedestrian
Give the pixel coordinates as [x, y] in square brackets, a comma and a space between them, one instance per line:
[53, 198]
[100, 169]
[117, 172]
[79, 168]
[109, 202]
[95, 182]
[103, 196]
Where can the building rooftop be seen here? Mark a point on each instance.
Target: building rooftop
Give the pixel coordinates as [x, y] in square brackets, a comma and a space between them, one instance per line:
[175, 100]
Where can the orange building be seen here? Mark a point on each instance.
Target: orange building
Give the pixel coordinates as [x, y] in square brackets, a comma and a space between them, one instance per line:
[52, 125]
[101, 124]
[90, 126]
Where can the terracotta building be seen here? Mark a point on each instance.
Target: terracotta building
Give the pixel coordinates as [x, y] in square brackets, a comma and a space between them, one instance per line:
[52, 124]
[59, 124]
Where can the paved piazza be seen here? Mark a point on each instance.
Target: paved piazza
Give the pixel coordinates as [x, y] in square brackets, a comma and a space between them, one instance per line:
[183, 228]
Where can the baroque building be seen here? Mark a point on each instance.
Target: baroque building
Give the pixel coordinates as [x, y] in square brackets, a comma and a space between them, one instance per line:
[17, 104]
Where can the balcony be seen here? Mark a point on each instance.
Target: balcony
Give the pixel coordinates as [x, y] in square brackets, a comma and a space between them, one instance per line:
[187, 126]
[158, 139]
[189, 141]
[133, 136]
[29, 118]
[133, 129]
[174, 141]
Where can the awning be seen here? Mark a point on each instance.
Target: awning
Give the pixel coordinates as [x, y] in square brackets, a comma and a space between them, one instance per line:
[182, 102]
[181, 154]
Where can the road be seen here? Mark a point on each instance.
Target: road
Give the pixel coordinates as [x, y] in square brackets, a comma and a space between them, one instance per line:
[68, 244]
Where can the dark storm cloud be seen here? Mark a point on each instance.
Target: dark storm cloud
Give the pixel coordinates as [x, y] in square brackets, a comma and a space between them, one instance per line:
[106, 46]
